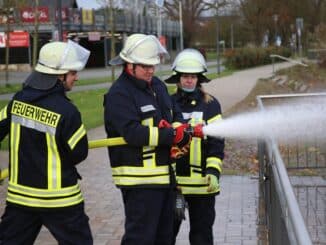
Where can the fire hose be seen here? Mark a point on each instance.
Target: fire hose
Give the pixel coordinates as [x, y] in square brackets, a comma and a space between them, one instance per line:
[91, 145]
[175, 151]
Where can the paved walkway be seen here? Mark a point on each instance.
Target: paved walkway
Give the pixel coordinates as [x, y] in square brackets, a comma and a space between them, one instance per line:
[236, 206]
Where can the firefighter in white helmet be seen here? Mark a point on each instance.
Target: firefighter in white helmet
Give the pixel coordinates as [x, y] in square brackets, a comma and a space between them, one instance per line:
[47, 139]
[139, 108]
[197, 173]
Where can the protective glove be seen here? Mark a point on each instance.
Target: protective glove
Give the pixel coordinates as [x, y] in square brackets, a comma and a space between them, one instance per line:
[176, 152]
[164, 124]
[212, 182]
[181, 137]
[180, 206]
[198, 131]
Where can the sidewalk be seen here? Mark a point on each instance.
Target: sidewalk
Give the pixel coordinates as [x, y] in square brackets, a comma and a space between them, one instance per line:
[236, 206]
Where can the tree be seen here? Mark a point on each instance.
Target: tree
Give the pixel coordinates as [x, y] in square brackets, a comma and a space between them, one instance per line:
[192, 10]
[8, 11]
[279, 16]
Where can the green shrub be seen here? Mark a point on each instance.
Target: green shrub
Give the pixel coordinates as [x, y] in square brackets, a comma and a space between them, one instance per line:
[250, 57]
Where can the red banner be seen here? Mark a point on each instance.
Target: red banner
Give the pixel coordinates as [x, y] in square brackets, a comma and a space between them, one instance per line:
[28, 14]
[18, 39]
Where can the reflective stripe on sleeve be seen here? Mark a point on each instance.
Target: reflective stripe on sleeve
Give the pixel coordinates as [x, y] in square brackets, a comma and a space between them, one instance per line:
[3, 113]
[214, 162]
[214, 119]
[75, 138]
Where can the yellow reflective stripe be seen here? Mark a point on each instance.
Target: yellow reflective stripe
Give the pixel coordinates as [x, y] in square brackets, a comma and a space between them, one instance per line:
[35, 113]
[214, 119]
[153, 136]
[140, 171]
[214, 162]
[3, 113]
[122, 180]
[191, 180]
[51, 203]
[54, 163]
[195, 145]
[195, 153]
[14, 149]
[197, 190]
[76, 137]
[43, 193]
[150, 160]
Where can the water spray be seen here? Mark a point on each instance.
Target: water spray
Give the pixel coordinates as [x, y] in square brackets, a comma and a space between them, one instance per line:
[300, 119]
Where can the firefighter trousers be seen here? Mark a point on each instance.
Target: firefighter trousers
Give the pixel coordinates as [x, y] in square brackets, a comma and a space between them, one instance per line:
[149, 216]
[201, 218]
[20, 226]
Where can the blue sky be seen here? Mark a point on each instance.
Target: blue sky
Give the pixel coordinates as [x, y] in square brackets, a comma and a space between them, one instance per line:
[88, 4]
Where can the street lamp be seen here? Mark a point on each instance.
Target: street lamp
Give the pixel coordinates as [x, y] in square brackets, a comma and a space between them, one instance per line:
[59, 7]
[275, 18]
[181, 24]
[217, 40]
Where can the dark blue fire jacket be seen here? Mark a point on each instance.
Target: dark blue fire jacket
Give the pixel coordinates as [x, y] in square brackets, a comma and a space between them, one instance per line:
[46, 140]
[133, 110]
[205, 155]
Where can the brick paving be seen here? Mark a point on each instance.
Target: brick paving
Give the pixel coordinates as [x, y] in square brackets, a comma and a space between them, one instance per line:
[236, 206]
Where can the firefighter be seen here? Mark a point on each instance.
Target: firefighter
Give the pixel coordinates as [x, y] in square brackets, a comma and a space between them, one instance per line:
[198, 173]
[139, 109]
[47, 139]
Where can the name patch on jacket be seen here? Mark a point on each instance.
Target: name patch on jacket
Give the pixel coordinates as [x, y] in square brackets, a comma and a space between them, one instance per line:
[147, 108]
[35, 113]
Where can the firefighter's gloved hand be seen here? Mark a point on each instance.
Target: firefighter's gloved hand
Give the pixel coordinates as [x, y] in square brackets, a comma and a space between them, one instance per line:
[182, 138]
[180, 206]
[198, 131]
[176, 152]
[164, 124]
[212, 182]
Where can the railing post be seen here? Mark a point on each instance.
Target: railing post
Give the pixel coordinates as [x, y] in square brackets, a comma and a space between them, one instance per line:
[262, 228]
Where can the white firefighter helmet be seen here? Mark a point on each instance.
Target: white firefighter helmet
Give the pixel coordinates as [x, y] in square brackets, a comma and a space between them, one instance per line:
[61, 57]
[189, 61]
[140, 49]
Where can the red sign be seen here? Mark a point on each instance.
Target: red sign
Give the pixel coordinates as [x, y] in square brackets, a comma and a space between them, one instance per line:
[28, 14]
[64, 14]
[18, 39]
[3, 39]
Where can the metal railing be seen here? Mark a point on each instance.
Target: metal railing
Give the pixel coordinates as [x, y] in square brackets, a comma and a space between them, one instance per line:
[273, 56]
[279, 211]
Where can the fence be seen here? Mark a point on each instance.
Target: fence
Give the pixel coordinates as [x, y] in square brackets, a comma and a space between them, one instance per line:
[292, 186]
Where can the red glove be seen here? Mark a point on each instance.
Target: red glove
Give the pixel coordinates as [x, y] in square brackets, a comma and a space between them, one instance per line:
[181, 137]
[164, 124]
[198, 131]
[176, 152]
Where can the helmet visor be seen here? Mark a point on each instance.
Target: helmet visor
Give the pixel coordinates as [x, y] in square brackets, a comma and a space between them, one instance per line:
[74, 57]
